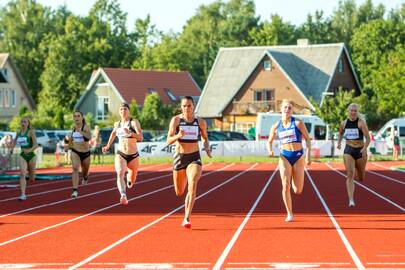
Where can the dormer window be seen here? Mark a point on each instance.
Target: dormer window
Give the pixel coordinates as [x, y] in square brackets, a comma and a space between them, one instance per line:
[267, 65]
[170, 94]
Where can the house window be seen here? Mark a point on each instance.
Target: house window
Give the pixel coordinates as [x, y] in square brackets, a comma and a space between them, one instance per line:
[263, 95]
[1, 98]
[267, 65]
[102, 108]
[7, 98]
[151, 91]
[13, 98]
[170, 94]
[257, 95]
[340, 65]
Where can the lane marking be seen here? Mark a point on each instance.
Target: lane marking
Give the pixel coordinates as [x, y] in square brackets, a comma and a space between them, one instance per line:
[228, 248]
[80, 197]
[69, 180]
[368, 189]
[66, 188]
[92, 257]
[386, 177]
[388, 168]
[346, 242]
[96, 211]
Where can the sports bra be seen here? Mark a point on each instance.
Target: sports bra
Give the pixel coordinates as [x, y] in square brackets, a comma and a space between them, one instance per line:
[78, 136]
[352, 130]
[290, 134]
[192, 130]
[121, 132]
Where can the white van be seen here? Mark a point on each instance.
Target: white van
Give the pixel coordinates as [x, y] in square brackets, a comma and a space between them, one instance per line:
[386, 133]
[317, 129]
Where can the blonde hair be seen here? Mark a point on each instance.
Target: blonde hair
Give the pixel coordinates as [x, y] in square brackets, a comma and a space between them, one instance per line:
[285, 101]
[354, 105]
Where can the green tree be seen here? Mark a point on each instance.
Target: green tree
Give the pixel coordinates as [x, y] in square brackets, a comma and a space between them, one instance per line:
[317, 29]
[152, 115]
[334, 108]
[134, 109]
[275, 32]
[24, 24]
[372, 42]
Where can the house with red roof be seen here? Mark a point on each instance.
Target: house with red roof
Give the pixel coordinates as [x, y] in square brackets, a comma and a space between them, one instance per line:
[108, 87]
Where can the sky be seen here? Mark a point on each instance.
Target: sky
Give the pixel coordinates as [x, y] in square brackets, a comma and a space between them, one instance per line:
[173, 14]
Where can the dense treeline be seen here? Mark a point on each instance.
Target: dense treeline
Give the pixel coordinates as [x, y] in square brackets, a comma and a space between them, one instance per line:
[57, 50]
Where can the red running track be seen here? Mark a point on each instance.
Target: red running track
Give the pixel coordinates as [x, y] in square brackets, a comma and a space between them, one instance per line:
[238, 222]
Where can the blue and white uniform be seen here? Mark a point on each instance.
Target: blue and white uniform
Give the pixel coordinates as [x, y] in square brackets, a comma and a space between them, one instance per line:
[287, 135]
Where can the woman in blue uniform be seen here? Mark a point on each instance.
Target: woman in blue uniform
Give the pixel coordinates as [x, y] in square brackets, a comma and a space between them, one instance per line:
[129, 132]
[354, 130]
[27, 141]
[184, 130]
[292, 155]
[78, 143]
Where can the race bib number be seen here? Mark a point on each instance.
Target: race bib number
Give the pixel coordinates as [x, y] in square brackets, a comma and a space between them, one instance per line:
[77, 137]
[191, 132]
[287, 136]
[22, 141]
[352, 134]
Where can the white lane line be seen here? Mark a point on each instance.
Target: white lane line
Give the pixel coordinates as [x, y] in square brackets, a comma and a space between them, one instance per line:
[80, 217]
[388, 168]
[78, 198]
[92, 257]
[368, 189]
[67, 188]
[346, 242]
[98, 174]
[386, 177]
[97, 211]
[228, 248]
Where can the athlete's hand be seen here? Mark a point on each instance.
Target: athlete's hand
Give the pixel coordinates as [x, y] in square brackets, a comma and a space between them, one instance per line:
[308, 161]
[105, 149]
[271, 153]
[208, 151]
[363, 151]
[339, 146]
[182, 133]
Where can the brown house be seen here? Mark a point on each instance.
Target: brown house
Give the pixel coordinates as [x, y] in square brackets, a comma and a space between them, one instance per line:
[13, 91]
[108, 87]
[247, 80]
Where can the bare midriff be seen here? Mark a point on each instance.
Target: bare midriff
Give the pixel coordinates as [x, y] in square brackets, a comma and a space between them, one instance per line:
[127, 145]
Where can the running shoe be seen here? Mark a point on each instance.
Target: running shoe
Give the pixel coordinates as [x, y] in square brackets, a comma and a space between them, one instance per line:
[75, 194]
[289, 218]
[129, 184]
[351, 203]
[84, 182]
[123, 200]
[186, 224]
[22, 198]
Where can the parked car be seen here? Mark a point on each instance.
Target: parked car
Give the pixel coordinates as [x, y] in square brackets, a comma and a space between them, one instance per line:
[47, 140]
[238, 136]
[218, 136]
[160, 138]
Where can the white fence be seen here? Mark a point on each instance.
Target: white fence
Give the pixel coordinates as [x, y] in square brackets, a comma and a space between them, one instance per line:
[247, 148]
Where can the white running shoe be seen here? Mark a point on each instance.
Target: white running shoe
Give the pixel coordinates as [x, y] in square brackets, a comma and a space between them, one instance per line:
[351, 203]
[84, 182]
[22, 198]
[289, 218]
[75, 194]
[186, 224]
[123, 200]
[129, 183]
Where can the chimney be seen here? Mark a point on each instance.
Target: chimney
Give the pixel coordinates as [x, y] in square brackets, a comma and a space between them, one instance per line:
[303, 42]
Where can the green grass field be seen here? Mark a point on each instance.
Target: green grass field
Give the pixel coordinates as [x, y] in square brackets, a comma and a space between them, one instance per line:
[49, 160]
